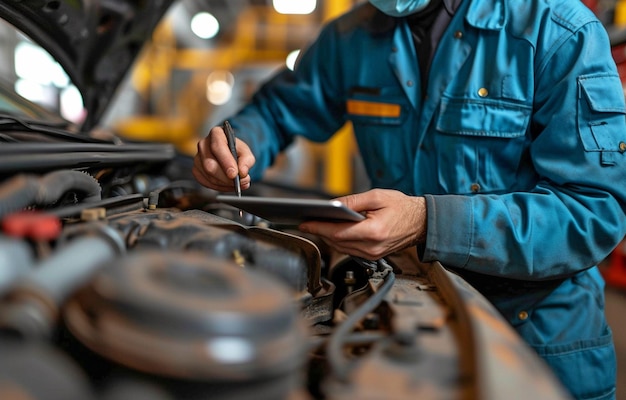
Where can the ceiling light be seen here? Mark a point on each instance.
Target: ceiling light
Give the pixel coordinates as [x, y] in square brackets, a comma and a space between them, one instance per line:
[219, 87]
[205, 25]
[294, 6]
[291, 59]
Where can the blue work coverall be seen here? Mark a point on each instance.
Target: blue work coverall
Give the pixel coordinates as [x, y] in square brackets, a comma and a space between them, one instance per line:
[517, 144]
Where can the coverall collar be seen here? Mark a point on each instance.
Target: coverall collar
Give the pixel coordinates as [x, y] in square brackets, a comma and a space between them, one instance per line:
[486, 14]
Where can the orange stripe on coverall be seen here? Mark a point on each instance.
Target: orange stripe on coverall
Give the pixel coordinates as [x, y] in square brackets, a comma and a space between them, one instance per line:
[372, 109]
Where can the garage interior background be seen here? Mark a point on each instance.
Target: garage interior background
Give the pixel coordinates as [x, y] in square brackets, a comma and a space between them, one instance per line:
[204, 61]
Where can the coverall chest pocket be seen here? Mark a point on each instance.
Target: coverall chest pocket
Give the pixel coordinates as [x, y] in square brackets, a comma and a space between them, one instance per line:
[379, 117]
[480, 144]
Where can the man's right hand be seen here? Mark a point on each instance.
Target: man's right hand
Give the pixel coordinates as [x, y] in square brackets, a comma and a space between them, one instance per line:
[214, 166]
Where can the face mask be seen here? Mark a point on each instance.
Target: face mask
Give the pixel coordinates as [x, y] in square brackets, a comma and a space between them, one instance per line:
[399, 8]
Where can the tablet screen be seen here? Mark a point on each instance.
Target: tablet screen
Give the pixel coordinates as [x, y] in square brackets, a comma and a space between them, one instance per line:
[283, 210]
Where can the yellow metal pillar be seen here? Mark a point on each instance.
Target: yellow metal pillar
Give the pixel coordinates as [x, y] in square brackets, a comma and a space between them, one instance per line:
[334, 8]
[338, 170]
[620, 14]
[338, 162]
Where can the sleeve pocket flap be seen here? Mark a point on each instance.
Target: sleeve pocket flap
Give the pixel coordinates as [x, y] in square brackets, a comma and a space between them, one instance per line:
[603, 93]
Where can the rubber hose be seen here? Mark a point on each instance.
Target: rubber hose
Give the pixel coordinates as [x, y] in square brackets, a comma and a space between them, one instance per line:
[24, 190]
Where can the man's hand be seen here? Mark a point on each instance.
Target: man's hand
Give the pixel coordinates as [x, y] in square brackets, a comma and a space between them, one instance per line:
[214, 165]
[394, 221]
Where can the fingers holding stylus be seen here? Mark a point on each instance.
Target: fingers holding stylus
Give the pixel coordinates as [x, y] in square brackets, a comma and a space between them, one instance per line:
[214, 164]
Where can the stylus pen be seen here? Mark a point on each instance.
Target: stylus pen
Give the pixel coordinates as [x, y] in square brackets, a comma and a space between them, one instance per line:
[230, 137]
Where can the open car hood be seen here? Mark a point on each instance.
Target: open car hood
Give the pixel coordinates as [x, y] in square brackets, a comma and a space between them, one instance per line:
[95, 41]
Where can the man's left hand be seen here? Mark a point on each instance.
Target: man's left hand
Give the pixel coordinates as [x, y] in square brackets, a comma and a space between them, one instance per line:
[394, 221]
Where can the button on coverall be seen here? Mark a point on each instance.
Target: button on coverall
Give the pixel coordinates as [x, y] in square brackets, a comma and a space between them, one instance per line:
[517, 145]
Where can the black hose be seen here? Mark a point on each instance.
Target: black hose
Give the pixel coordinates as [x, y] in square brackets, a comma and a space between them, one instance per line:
[17, 193]
[339, 364]
[24, 190]
[55, 184]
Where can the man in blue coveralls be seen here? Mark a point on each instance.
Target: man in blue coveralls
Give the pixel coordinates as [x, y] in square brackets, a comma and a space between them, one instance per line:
[494, 135]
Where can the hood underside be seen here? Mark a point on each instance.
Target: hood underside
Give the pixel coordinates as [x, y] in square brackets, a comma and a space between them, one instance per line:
[95, 41]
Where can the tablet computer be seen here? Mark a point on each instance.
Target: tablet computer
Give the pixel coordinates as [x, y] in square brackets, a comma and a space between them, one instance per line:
[292, 211]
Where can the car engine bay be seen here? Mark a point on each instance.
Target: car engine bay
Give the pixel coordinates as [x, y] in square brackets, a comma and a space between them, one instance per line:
[123, 278]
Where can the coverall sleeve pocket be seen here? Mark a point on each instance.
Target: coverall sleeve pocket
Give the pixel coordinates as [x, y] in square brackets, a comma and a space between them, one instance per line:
[601, 99]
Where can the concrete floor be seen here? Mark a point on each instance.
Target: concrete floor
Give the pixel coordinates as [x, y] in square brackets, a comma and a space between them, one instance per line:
[616, 315]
